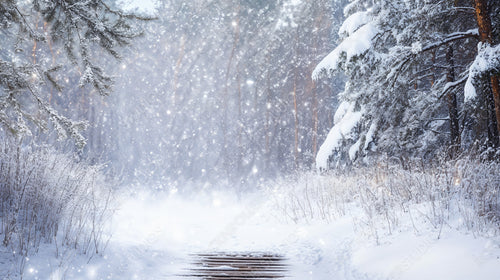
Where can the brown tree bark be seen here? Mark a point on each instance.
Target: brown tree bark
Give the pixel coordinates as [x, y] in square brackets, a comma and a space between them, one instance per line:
[318, 10]
[483, 20]
[484, 24]
[495, 88]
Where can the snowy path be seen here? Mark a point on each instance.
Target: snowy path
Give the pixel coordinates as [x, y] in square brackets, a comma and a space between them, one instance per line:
[153, 236]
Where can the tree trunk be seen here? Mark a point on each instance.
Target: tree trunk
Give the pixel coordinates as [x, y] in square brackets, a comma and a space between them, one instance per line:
[295, 106]
[239, 123]
[268, 119]
[315, 120]
[177, 70]
[296, 121]
[484, 23]
[225, 104]
[483, 20]
[433, 59]
[495, 87]
[452, 105]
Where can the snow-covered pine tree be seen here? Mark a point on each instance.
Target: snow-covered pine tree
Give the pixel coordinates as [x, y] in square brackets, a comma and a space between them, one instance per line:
[405, 81]
[80, 29]
[487, 63]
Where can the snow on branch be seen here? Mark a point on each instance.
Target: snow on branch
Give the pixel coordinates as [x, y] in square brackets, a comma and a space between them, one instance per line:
[472, 33]
[346, 119]
[354, 22]
[400, 64]
[450, 85]
[486, 61]
[355, 45]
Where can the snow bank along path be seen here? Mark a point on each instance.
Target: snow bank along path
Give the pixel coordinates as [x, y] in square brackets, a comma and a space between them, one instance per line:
[154, 235]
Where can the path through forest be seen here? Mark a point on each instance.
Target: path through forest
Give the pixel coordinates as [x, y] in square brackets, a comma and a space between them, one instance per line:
[154, 236]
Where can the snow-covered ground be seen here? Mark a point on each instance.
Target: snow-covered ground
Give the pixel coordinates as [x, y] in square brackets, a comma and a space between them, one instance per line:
[154, 233]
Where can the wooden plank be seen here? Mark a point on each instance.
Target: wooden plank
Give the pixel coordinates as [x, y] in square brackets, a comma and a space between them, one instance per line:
[235, 265]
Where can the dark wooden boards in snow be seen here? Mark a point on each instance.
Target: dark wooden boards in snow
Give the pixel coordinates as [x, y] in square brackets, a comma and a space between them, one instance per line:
[237, 266]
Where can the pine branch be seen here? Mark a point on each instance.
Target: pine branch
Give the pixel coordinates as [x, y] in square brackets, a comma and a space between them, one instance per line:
[473, 33]
[451, 85]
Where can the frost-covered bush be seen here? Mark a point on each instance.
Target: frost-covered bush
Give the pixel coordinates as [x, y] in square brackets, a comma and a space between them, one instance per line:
[46, 196]
[462, 193]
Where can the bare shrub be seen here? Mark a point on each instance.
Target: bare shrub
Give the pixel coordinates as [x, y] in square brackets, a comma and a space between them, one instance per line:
[46, 196]
[465, 190]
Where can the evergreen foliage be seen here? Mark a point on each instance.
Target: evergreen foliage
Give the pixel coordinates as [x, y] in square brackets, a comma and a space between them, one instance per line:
[407, 79]
[81, 29]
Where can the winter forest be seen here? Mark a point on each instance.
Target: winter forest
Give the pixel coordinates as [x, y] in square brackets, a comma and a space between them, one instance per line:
[249, 139]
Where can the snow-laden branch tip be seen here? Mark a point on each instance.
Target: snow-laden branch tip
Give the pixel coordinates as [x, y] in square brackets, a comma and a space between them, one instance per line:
[355, 45]
[354, 22]
[487, 60]
[449, 85]
[346, 119]
[416, 47]
[351, 7]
